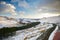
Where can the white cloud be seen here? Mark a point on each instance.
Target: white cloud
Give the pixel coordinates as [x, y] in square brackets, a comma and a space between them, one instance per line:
[7, 8]
[23, 4]
[48, 15]
[14, 0]
[21, 13]
[55, 4]
[52, 6]
[40, 11]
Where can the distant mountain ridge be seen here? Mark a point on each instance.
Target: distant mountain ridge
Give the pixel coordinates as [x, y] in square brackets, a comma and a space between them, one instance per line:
[8, 21]
[55, 19]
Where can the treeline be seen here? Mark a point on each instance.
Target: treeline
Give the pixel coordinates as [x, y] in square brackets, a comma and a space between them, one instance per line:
[6, 31]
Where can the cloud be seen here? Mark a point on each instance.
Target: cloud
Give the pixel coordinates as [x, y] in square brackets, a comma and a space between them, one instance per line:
[21, 13]
[55, 5]
[21, 3]
[40, 8]
[37, 4]
[7, 8]
[51, 6]
[47, 10]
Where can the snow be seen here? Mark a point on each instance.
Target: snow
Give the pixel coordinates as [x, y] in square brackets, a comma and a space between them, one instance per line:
[55, 19]
[9, 23]
[30, 33]
[53, 33]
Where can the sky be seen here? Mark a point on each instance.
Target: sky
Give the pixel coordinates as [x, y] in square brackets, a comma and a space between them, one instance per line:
[29, 8]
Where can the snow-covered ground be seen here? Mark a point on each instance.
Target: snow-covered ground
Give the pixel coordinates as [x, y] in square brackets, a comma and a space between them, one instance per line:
[9, 23]
[55, 19]
[53, 33]
[30, 33]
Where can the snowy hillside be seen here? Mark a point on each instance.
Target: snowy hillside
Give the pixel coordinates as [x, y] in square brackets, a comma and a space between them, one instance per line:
[8, 22]
[30, 33]
[55, 19]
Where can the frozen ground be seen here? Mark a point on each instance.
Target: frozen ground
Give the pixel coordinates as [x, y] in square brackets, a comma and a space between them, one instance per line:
[9, 23]
[31, 33]
[53, 33]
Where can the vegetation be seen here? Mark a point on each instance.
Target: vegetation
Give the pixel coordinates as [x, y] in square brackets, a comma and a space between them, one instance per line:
[46, 34]
[4, 32]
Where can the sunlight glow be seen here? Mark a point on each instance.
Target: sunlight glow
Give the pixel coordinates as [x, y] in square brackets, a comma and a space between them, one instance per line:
[48, 15]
